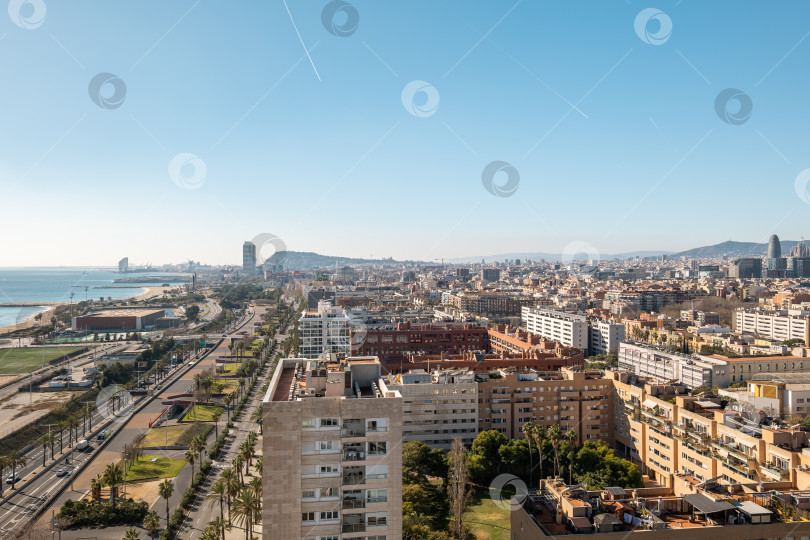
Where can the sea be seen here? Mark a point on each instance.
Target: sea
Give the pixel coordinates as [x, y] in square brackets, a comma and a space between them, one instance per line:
[56, 285]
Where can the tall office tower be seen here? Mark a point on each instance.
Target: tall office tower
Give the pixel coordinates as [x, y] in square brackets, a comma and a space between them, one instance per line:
[745, 268]
[332, 451]
[249, 258]
[774, 247]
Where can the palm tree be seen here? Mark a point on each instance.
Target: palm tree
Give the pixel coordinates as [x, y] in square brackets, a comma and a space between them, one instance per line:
[218, 525]
[191, 457]
[555, 435]
[232, 484]
[4, 463]
[539, 434]
[16, 459]
[210, 533]
[256, 486]
[218, 493]
[132, 534]
[228, 399]
[112, 477]
[237, 462]
[51, 441]
[572, 438]
[152, 523]
[95, 487]
[43, 440]
[165, 490]
[246, 450]
[60, 427]
[241, 387]
[246, 508]
[527, 428]
[257, 416]
[198, 445]
[258, 465]
[216, 416]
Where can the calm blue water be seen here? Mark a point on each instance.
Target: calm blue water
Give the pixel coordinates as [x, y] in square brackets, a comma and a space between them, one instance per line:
[56, 285]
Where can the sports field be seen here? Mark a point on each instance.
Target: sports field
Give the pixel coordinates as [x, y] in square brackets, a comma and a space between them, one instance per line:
[28, 359]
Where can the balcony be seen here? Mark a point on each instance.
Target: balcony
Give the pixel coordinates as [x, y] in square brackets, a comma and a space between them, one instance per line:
[354, 456]
[776, 473]
[351, 504]
[353, 527]
[353, 432]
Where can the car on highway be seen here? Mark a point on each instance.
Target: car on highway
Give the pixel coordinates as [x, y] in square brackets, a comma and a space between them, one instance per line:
[13, 477]
[82, 445]
[62, 472]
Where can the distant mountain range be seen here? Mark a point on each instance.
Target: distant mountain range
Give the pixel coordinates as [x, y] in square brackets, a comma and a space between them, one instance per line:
[735, 250]
[307, 260]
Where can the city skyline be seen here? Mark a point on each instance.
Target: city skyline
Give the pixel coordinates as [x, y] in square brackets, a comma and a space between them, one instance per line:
[129, 128]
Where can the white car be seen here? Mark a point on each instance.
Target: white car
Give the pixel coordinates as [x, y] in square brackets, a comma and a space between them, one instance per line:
[12, 478]
[62, 472]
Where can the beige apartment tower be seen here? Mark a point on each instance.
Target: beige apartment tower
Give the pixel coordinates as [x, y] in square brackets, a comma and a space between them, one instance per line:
[332, 452]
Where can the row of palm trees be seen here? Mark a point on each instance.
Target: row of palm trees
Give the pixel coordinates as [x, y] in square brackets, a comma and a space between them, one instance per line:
[195, 451]
[12, 460]
[539, 434]
[242, 496]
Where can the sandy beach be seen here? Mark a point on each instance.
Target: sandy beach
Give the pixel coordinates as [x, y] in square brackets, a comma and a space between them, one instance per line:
[149, 292]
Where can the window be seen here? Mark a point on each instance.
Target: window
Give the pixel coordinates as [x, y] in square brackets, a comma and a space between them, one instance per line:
[328, 492]
[308, 516]
[329, 469]
[308, 494]
[329, 445]
[329, 422]
[377, 520]
[377, 448]
[307, 423]
[329, 516]
[376, 495]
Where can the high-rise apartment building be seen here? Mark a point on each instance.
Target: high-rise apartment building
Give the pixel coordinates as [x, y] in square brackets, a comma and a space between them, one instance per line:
[691, 370]
[325, 329]
[332, 450]
[782, 325]
[591, 335]
[249, 258]
[438, 406]
[123, 265]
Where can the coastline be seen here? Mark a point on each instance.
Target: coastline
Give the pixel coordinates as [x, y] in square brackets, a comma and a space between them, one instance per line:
[149, 292]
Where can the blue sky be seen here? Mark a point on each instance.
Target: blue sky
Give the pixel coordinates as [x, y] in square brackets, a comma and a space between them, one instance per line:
[616, 141]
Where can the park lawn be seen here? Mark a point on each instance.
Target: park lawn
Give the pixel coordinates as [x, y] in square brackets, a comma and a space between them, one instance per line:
[231, 367]
[485, 519]
[145, 469]
[25, 360]
[225, 386]
[178, 435]
[202, 413]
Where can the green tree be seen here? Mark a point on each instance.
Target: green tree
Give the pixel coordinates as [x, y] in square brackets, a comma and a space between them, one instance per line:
[112, 477]
[419, 462]
[132, 534]
[165, 490]
[486, 445]
[152, 523]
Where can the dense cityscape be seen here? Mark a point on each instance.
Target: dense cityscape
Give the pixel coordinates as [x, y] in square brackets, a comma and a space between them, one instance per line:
[349, 270]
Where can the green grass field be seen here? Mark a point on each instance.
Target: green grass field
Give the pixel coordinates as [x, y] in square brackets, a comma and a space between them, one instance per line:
[28, 359]
[178, 435]
[225, 386]
[146, 469]
[485, 520]
[231, 367]
[202, 413]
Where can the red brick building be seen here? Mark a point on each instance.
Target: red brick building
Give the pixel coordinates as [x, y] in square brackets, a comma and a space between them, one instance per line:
[394, 342]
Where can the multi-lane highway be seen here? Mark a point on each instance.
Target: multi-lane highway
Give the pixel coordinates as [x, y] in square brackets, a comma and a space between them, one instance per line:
[19, 509]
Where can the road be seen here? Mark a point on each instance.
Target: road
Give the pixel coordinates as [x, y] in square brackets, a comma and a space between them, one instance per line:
[133, 426]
